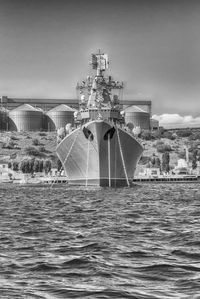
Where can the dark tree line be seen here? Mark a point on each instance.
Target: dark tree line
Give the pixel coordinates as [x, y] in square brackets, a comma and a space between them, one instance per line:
[31, 165]
[162, 164]
[165, 162]
[34, 165]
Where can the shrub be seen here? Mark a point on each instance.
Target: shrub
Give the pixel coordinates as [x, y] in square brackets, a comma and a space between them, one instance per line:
[9, 145]
[143, 160]
[130, 126]
[42, 149]
[42, 134]
[194, 146]
[162, 148]
[184, 133]
[15, 166]
[14, 137]
[31, 151]
[194, 136]
[146, 135]
[168, 135]
[159, 142]
[156, 134]
[182, 155]
[36, 142]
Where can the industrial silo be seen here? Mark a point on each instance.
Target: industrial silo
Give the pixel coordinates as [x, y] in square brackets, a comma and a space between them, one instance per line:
[25, 118]
[59, 116]
[138, 117]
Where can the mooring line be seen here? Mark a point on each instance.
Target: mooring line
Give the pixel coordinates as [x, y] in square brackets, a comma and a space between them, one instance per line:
[122, 157]
[87, 165]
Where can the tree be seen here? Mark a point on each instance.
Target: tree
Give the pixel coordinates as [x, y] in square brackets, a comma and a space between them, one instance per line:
[15, 166]
[59, 165]
[47, 166]
[30, 165]
[130, 126]
[153, 160]
[24, 166]
[157, 162]
[198, 155]
[165, 162]
[194, 159]
[41, 165]
[36, 165]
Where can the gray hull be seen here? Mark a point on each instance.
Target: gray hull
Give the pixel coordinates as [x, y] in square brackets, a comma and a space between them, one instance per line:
[99, 154]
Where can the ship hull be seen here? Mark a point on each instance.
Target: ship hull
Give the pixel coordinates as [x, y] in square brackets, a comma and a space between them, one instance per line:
[99, 154]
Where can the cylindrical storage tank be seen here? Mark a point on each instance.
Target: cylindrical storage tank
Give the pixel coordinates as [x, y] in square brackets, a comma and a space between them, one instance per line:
[138, 117]
[59, 116]
[26, 118]
[3, 119]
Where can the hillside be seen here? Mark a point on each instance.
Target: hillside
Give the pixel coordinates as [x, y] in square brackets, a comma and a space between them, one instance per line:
[176, 142]
[43, 144]
[18, 145]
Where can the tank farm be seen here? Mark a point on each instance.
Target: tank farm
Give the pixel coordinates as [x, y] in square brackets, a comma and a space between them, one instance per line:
[18, 114]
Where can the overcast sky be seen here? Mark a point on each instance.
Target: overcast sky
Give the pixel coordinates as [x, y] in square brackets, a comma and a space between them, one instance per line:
[153, 45]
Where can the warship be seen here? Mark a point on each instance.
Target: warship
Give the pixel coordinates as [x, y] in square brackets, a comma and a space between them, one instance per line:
[100, 150]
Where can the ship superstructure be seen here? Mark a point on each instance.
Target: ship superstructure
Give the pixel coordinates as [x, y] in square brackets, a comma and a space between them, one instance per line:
[99, 151]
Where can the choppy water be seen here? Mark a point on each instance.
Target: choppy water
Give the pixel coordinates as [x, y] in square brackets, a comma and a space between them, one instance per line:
[142, 242]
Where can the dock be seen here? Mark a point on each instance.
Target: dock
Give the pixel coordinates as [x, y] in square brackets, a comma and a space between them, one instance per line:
[168, 179]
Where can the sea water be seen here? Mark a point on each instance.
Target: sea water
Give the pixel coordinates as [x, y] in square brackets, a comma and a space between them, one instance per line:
[72, 242]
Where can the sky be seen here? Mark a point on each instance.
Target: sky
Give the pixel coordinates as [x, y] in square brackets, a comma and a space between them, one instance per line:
[153, 46]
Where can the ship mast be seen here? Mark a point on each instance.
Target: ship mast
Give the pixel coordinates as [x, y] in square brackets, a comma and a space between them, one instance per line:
[96, 92]
[100, 63]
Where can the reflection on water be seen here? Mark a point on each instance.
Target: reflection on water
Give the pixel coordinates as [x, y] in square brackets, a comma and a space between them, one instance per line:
[72, 242]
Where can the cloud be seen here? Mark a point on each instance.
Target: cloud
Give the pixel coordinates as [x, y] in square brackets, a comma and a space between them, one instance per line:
[177, 121]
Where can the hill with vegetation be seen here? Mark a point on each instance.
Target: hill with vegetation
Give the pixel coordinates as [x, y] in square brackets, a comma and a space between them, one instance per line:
[177, 143]
[35, 147]
[29, 151]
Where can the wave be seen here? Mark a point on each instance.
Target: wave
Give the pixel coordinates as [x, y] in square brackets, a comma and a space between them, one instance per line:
[139, 243]
[43, 267]
[191, 255]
